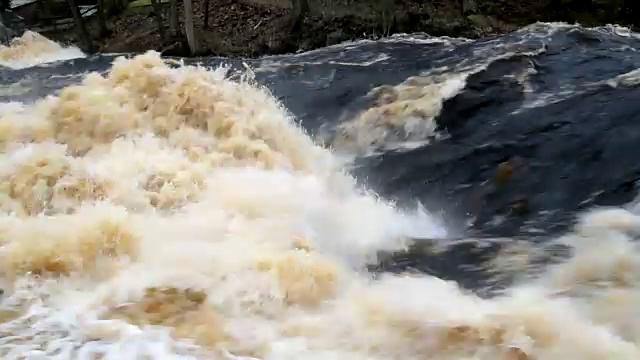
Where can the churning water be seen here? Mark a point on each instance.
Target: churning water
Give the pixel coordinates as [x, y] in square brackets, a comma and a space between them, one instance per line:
[157, 209]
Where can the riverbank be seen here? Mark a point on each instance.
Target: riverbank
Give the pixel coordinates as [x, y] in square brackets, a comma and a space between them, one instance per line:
[259, 27]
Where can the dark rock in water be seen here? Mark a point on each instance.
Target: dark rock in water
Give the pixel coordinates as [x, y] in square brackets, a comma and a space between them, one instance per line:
[335, 37]
[464, 261]
[11, 25]
[572, 123]
[6, 34]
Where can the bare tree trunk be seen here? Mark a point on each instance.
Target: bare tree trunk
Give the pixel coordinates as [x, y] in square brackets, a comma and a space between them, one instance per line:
[115, 7]
[102, 19]
[300, 9]
[109, 7]
[173, 17]
[387, 16]
[85, 38]
[188, 26]
[157, 8]
[206, 13]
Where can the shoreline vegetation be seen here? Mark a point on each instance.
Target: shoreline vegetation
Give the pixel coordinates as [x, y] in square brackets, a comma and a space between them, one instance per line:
[252, 28]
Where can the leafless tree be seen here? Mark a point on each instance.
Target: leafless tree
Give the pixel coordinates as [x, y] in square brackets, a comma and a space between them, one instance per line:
[300, 9]
[205, 9]
[102, 18]
[83, 33]
[188, 26]
[174, 22]
[157, 9]
[387, 15]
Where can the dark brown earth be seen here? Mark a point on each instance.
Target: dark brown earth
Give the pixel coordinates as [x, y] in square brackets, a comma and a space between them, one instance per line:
[259, 27]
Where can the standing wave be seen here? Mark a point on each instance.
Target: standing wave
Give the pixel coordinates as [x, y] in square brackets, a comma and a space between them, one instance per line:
[166, 211]
[32, 49]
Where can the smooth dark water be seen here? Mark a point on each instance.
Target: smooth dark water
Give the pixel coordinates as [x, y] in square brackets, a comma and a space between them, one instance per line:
[569, 132]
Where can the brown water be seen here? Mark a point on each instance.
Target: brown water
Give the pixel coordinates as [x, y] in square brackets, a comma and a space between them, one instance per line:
[170, 213]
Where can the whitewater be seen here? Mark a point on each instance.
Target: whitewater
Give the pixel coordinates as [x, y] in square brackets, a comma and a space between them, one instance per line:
[169, 211]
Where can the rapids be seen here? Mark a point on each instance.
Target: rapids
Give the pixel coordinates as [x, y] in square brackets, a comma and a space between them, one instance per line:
[245, 209]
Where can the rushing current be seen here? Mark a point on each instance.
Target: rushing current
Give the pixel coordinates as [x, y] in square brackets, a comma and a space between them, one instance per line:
[334, 204]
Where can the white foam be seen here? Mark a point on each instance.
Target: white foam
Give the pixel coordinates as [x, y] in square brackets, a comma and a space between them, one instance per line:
[33, 49]
[172, 213]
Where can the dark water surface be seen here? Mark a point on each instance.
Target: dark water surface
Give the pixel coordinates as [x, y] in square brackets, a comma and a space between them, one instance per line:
[556, 107]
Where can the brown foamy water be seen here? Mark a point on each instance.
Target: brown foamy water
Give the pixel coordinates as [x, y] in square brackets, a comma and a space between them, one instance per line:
[167, 212]
[32, 49]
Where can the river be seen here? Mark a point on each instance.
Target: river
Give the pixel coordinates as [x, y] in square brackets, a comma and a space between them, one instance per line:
[412, 197]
